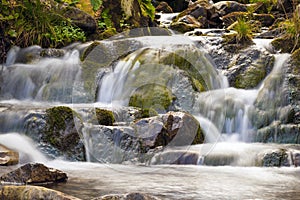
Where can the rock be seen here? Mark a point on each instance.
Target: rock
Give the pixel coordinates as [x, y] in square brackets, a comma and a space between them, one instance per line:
[178, 5]
[225, 7]
[105, 117]
[129, 196]
[8, 156]
[163, 7]
[81, 19]
[34, 173]
[185, 24]
[249, 68]
[176, 157]
[62, 132]
[177, 128]
[152, 96]
[33, 192]
[279, 133]
[117, 144]
[52, 53]
[275, 158]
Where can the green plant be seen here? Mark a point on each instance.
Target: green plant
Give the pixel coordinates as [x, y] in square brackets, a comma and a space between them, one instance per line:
[292, 30]
[104, 22]
[147, 8]
[33, 22]
[267, 4]
[96, 4]
[70, 2]
[244, 31]
[66, 33]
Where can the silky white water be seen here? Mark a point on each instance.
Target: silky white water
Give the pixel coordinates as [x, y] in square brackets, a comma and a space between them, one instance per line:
[223, 114]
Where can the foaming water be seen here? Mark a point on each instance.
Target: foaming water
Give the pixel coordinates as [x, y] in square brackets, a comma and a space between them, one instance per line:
[24, 145]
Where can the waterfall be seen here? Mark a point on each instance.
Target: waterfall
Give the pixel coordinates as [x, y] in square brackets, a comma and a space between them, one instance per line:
[45, 79]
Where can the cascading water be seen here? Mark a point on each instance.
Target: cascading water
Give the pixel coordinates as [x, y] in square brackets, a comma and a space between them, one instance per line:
[225, 115]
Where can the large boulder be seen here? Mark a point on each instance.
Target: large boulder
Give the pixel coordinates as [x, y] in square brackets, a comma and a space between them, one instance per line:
[33, 192]
[34, 173]
[8, 156]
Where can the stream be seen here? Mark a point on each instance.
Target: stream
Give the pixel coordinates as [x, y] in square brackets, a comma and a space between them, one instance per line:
[225, 166]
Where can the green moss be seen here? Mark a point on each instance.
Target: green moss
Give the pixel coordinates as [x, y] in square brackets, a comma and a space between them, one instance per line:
[182, 63]
[59, 119]
[105, 117]
[296, 60]
[250, 78]
[253, 75]
[152, 96]
[148, 112]
[109, 32]
[199, 138]
[283, 44]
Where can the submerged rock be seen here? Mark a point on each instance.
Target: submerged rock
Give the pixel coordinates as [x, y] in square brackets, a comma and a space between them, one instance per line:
[33, 192]
[8, 156]
[34, 173]
[129, 196]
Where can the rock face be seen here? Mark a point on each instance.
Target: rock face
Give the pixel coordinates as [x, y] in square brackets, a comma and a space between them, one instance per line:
[35, 173]
[129, 196]
[32, 192]
[8, 156]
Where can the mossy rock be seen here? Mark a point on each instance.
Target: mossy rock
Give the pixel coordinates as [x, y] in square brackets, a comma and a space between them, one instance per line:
[107, 33]
[61, 132]
[197, 80]
[283, 44]
[250, 78]
[182, 27]
[152, 97]
[105, 117]
[296, 59]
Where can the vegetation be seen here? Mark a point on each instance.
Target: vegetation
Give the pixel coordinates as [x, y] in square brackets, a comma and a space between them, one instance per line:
[290, 40]
[244, 31]
[34, 22]
[105, 117]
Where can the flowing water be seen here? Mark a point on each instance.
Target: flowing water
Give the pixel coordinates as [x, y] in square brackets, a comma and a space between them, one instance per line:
[223, 167]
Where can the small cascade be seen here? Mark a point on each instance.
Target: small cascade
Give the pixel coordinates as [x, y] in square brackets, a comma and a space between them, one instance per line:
[47, 79]
[228, 110]
[112, 85]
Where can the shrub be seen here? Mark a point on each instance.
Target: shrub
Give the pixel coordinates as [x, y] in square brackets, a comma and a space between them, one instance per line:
[33, 22]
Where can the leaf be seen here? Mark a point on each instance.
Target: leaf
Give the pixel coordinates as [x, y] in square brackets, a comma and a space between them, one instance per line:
[12, 33]
[96, 4]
